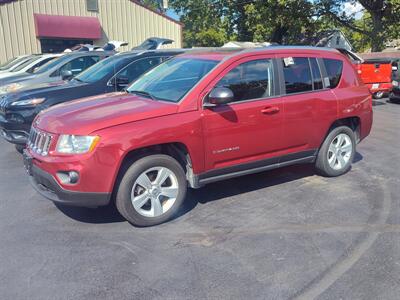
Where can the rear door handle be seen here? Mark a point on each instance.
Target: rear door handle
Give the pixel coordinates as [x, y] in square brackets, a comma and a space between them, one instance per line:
[270, 110]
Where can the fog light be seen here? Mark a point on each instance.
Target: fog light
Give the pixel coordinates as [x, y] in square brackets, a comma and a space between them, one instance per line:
[71, 177]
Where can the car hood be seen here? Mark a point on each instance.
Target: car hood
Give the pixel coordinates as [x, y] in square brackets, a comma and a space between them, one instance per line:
[84, 116]
[16, 78]
[48, 87]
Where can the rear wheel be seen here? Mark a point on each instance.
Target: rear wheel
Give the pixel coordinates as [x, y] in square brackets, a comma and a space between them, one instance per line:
[379, 95]
[152, 190]
[337, 152]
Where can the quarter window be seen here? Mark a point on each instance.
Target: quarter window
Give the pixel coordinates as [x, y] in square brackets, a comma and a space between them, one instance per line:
[250, 80]
[317, 78]
[297, 74]
[334, 69]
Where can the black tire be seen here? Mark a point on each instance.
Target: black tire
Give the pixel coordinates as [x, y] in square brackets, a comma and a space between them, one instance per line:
[20, 148]
[322, 165]
[379, 95]
[123, 196]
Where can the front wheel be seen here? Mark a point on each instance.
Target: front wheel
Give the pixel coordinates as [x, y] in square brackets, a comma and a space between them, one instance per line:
[20, 148]
[337, 152]
[152, 190]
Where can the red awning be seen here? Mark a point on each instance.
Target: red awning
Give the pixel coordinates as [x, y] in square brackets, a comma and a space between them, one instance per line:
[69, 27]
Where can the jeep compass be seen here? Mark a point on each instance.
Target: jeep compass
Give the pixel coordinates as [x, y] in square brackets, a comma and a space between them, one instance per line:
[199, 118]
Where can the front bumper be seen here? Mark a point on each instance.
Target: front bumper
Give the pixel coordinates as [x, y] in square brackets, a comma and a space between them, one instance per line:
[46, 185]
[16, 133]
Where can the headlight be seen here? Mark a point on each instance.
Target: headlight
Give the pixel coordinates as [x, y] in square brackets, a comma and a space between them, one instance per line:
[76, 144]
[10, 88]
[28, 102]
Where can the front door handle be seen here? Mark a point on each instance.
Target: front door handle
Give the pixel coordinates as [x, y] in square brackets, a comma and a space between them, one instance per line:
[270, 110]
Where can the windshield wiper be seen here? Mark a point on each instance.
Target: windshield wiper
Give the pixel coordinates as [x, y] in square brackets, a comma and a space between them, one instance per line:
[143, 93]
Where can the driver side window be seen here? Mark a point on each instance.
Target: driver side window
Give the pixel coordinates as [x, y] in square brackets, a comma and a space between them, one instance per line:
[78, 65]
[137, 68]
[250, 80]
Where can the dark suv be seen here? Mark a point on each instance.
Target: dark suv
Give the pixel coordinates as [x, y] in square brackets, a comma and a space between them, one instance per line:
[199, 118]
[113, 74]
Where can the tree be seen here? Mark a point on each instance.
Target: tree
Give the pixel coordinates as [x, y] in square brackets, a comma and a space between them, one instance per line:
[203, 21]
[379, 16]
[153, 4]
[280, 21]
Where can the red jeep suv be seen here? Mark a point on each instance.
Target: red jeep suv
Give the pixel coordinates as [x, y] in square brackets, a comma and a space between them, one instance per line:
[199, 118]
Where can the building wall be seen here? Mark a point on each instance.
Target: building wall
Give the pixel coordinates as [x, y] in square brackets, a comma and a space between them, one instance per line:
[122, 20]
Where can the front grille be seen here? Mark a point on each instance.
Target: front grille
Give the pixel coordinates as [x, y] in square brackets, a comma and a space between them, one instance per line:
[3, 103]
[39, 141]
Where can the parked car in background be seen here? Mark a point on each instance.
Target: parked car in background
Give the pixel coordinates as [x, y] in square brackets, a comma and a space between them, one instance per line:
[111, 47]
[153, 43]
[18, 109]
[13, 63]
[196, 119]
[377, 75]
[30, 65]
[62, 68]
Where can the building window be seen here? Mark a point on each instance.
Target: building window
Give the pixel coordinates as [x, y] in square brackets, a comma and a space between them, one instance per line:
[92, 5]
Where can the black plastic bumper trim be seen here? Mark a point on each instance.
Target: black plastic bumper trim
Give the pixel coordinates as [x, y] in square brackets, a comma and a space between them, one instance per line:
[47, 186]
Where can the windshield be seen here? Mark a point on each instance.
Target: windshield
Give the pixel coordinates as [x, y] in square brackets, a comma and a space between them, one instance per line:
[171, 80]
[7, 62]
[24, 64]
[51, 64]
[101, 69]
[13, 63]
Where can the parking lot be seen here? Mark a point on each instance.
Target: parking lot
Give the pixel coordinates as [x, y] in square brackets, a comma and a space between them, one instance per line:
[276, 235]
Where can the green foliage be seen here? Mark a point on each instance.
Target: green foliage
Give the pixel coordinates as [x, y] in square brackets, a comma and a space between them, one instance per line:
[212, 22]
[379, 20]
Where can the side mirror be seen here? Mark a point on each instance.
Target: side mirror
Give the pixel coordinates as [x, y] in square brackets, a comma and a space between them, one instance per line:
[121, 82]
[220, 95]
[66, 74]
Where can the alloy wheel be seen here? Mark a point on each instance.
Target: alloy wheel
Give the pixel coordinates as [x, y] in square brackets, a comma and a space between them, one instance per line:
[339, 152]
[154, 192]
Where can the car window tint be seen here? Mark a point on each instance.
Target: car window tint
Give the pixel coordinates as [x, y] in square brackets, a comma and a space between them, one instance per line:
[39, 64]
[334, 69]
[250, 80]
[297, 74]
[317, 78]
[77, 65]
[137, 68]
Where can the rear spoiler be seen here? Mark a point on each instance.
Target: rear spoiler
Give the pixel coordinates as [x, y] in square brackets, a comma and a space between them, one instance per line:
[351, 55]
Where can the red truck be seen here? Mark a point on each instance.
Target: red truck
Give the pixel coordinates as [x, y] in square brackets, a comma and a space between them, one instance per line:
[200, 118]
[377, 75]
[375, 70]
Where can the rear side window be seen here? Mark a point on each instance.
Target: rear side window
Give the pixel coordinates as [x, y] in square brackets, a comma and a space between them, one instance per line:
[297, 74]
[334, 69]
[317, 78]
[250, 80]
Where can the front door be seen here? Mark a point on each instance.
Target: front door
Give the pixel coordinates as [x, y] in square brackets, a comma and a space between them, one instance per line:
[249, 128]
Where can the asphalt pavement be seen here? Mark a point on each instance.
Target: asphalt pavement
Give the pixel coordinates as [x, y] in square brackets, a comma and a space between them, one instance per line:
[284, 234]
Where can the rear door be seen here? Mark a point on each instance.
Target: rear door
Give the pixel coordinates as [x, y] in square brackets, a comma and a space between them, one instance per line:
[307, 104]
[249, 128]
